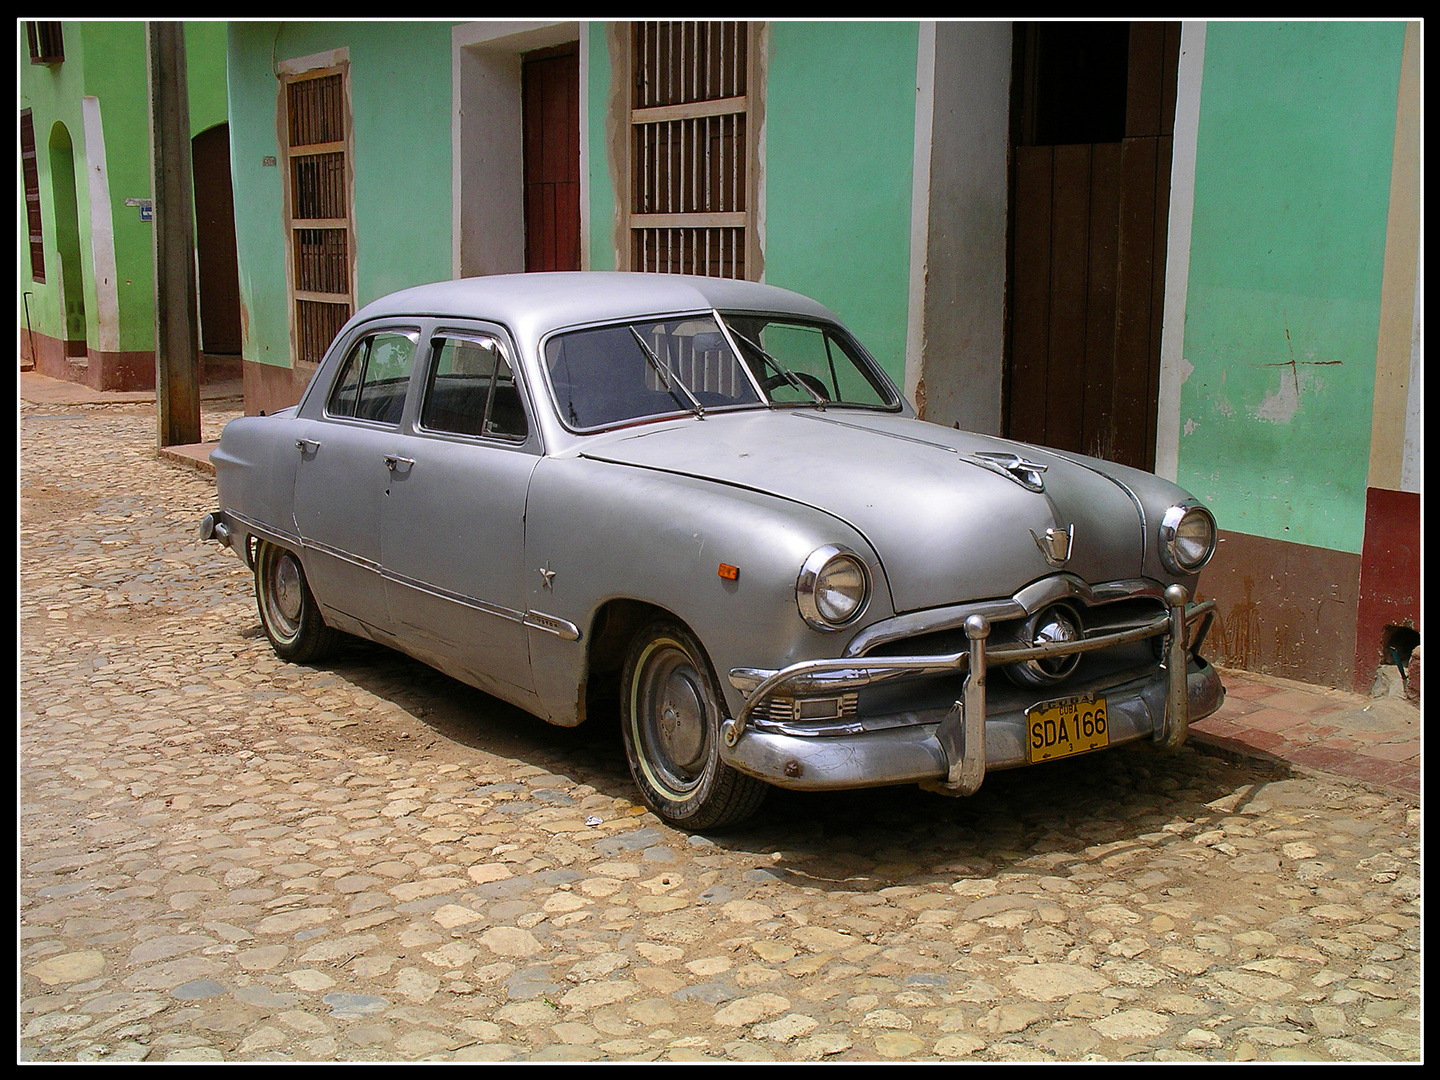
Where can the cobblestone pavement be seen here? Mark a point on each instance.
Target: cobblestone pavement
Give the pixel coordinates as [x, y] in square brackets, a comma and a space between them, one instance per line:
[227, 858]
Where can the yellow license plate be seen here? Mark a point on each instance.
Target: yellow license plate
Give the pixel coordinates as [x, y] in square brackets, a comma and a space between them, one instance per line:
[1060, 729]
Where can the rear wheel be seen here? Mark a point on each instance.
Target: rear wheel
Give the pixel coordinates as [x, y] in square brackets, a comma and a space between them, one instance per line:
[671, 712]
[288, 611]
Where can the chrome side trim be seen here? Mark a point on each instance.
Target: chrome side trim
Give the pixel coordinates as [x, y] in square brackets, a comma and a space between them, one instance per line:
[465, 600]
[472, 602]
[561, 628]
[264, 531]
[336, 553]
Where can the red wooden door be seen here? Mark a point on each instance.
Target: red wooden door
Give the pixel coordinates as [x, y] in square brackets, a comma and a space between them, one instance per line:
[551, 87]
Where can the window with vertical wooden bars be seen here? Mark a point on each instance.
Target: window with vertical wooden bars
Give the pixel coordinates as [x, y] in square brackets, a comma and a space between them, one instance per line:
[32, 195]
[47, 42]
[690, 130]
[318, 209]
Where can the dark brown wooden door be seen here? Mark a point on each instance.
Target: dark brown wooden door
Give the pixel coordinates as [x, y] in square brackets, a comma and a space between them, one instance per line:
[1095, 108]
[215, 242]
[551, 84]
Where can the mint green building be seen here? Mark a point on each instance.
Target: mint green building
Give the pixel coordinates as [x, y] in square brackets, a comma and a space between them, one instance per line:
[87, 303]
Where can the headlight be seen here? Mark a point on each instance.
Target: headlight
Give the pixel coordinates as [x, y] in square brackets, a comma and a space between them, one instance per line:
[833, 588]
[1187, 538]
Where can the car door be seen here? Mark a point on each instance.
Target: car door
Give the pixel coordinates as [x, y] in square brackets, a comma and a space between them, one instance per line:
[453, 538]
[342, 476]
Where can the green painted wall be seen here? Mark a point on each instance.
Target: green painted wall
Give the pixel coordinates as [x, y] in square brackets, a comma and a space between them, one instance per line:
[1292, 181]
[400, 95]
[601, 241]
[107, 61]
[839, 153]
[52, 94]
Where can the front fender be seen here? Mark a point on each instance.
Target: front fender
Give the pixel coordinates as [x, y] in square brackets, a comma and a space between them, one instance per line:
[603, 531]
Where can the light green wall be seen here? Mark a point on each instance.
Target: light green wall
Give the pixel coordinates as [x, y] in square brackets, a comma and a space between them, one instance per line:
[400, 98]
[53, 95]
[107, 61]
[601, 240]
[839, 152]
[1292, 180]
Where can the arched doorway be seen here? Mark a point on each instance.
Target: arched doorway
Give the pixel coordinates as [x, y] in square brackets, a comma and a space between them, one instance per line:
[215, 243]
[67, 241]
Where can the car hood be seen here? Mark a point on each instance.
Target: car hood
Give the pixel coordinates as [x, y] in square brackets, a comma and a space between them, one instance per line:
[947, 524]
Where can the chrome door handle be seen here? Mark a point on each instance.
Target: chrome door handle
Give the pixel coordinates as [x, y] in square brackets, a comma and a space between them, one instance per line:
[307, 446]
[394, 461]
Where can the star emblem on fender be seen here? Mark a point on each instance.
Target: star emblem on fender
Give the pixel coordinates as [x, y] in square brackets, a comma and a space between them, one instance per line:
[548, 575]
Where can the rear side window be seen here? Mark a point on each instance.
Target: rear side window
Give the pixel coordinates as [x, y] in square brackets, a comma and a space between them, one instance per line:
[472, 391]
[375, 376]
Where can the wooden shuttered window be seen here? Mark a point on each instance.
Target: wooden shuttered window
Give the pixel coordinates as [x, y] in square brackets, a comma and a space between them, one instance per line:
[690, 207]
[31, 169]
[47, 42]
[319, 230]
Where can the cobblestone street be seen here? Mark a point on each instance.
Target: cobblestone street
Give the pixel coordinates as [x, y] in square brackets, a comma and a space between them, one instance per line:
[224, 857]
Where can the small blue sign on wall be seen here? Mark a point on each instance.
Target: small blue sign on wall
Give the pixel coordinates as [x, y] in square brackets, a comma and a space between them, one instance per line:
[147, 208]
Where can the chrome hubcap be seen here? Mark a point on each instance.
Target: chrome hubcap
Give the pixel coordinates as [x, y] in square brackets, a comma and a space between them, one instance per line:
[681, 726]
[672, 717]
[287, 589]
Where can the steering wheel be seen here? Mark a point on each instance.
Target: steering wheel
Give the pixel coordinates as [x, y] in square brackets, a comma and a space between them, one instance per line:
[774, 382]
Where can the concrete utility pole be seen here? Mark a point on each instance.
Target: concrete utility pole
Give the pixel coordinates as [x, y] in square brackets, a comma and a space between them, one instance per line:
[177, 337]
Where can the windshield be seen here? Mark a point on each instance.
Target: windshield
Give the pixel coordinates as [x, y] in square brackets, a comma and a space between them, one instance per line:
[608, 375]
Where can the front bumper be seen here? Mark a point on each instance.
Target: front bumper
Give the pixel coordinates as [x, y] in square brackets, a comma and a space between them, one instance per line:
[951, 747]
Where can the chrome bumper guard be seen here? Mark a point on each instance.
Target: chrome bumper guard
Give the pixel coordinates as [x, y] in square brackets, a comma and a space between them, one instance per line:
[962, 733]
[214, 527]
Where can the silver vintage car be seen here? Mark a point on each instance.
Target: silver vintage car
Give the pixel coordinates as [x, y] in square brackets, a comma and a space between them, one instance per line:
[705, 498]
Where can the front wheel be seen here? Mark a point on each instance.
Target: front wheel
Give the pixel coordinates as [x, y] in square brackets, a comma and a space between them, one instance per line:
[288, 611]
[671, 712]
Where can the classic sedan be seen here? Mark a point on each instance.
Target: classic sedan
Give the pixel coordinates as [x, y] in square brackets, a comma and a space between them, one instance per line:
[703, 497]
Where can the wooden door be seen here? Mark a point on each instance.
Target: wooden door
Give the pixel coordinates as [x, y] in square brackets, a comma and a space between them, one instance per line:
[1095, 108]
[215, 242]
[551, 89]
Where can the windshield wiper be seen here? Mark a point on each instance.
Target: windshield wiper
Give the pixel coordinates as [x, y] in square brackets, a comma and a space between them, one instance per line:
[671, 379]
[780, 369]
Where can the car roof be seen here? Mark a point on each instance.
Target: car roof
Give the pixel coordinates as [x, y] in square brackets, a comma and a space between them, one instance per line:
[531, 305]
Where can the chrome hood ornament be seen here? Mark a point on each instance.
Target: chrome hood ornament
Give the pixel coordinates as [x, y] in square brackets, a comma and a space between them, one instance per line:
[1028, 474]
